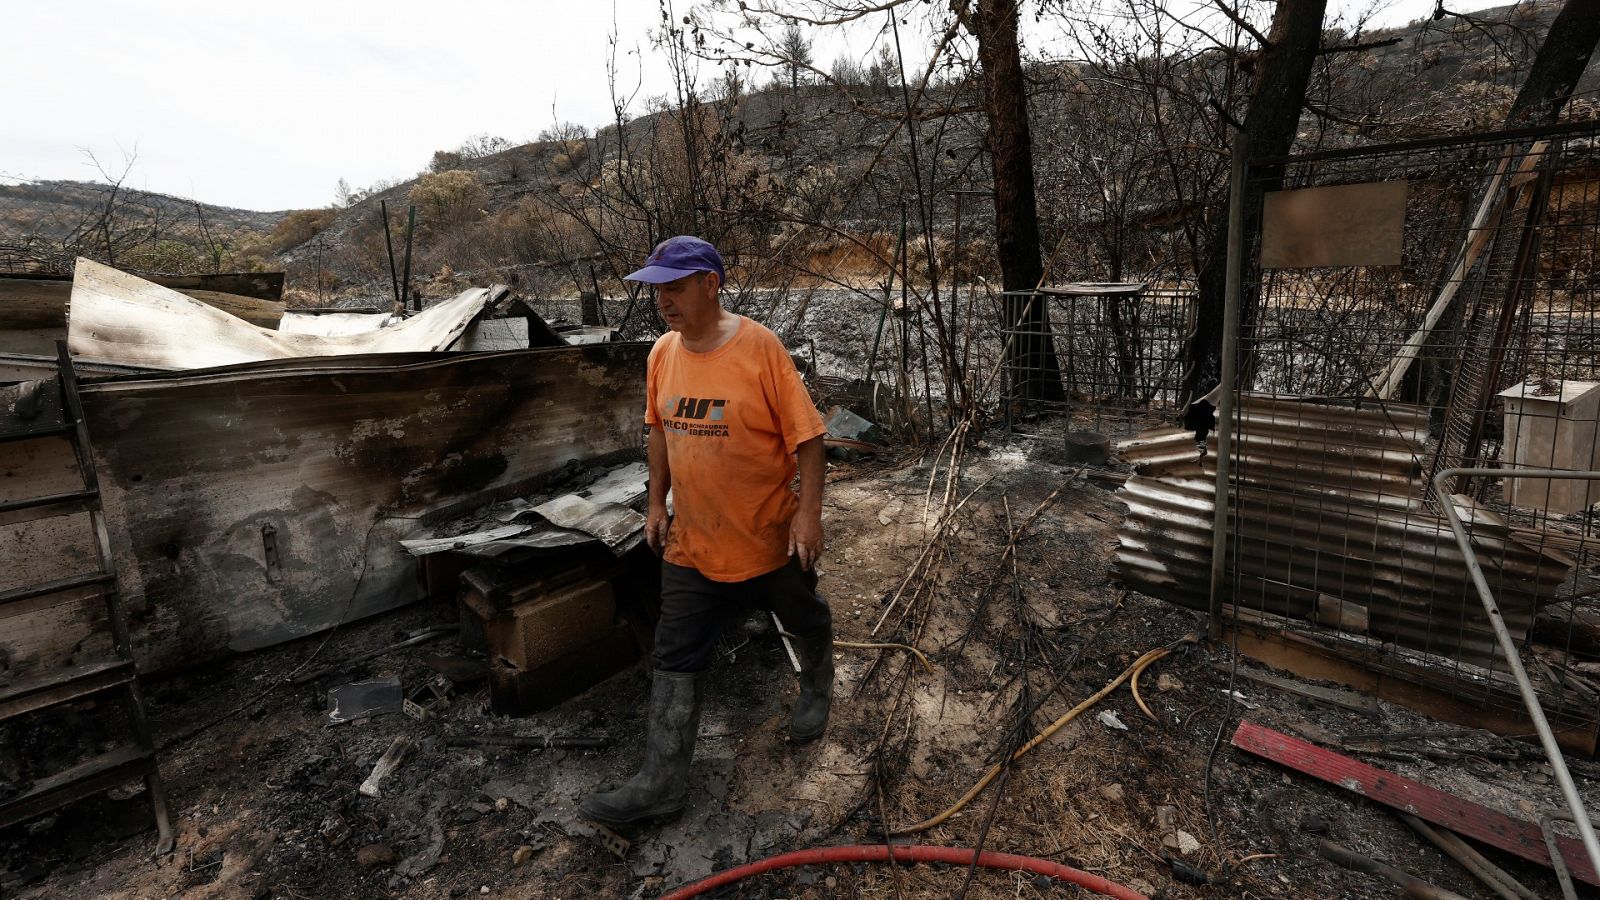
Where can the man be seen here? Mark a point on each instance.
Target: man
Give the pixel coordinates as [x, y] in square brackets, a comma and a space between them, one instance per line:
[730, 424]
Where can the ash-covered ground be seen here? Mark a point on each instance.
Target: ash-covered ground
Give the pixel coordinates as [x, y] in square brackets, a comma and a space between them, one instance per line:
[266, 803]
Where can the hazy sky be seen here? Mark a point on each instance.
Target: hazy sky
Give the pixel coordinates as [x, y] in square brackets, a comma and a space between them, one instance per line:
[268, 105]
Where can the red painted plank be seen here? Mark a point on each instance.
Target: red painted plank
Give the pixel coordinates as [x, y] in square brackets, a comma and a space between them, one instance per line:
[1464, 817]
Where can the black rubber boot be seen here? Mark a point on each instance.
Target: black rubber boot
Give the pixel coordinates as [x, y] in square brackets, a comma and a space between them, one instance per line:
[657, 792]
[810, 716]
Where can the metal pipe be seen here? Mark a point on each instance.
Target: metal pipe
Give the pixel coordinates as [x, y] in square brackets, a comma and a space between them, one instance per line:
[1409, 884]
[1569, 891]
[1492, 876]
[388, 244]
[405, 282]
[1230, 356]
[1508, 644]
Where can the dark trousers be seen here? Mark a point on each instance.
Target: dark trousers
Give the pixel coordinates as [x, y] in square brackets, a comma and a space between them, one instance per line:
[695, 609]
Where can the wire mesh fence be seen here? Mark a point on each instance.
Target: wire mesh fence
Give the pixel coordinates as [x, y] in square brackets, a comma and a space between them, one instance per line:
[1117, 348]
[1360, 383]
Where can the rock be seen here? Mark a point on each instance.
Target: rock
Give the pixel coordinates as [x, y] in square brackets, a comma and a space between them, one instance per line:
[1166, 817]
[1187, 843]
[521, 855]
[1311, 823]
[886, 516]
[1112, 792]
[830, 882]
[501, 804]
[1110, 720]
[466, 816]
[1169, 841]
[336, 830]
[483, 889]
[1139, 885]
[374, 855]
[1168, 683]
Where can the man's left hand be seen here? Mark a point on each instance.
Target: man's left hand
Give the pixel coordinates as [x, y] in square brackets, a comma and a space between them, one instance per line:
[805, 538]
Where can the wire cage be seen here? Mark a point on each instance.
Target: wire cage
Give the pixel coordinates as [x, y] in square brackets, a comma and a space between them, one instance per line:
[1476, 345]
[1117, 348]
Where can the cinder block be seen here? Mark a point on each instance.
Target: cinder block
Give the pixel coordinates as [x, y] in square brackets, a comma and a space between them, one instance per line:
[1553, 425]
[534, 627]
[515, 691]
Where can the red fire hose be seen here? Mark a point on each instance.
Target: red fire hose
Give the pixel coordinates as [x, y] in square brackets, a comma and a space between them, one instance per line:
[958, 856]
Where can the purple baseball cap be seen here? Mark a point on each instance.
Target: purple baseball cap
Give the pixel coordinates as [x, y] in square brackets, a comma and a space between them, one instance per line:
[676, 257]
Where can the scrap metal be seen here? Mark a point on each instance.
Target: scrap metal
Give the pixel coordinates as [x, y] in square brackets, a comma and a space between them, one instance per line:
[1508, 642]
[119, 318]
[342, 456]
[1327, 509]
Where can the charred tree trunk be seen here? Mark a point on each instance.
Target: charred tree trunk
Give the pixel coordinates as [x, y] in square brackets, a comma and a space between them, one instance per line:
[1557, 67]
[1032, 354]
[1270, 124]
[1562, 58]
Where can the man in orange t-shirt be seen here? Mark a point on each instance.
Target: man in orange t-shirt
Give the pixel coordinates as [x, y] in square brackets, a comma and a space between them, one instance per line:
[730, 425]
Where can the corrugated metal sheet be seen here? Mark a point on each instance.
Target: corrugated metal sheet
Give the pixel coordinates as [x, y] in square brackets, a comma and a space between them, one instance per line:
[338, 323]
[1327, 508]
[119, 318]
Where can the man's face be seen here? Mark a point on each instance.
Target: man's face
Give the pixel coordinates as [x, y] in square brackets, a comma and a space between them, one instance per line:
[691, 299]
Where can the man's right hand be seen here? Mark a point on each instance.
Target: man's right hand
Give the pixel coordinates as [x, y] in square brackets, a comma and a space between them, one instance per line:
[656, 524]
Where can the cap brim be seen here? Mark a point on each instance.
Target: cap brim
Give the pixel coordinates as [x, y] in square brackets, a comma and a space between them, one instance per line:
[658, 274]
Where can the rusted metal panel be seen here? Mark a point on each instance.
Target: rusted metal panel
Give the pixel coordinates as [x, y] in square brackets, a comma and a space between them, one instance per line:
[1327, 507]
[254, 504]
[1343, 225]
[120, 318]
[1414, 680]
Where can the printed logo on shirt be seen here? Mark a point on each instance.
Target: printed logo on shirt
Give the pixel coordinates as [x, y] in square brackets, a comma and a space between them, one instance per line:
[697, 416]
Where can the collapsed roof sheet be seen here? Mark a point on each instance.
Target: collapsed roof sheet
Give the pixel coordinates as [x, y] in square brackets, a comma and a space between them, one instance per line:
[1327, 511]
[335, 324]
[119, 318]
[601, 512]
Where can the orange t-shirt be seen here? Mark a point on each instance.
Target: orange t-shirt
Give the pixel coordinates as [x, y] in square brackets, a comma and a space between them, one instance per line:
[733, 418]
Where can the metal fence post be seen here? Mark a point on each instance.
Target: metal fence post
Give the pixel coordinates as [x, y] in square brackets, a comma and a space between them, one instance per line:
[1225, 386]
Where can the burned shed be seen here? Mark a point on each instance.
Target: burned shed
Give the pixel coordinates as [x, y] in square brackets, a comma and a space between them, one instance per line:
[253, 486]
[254, 503]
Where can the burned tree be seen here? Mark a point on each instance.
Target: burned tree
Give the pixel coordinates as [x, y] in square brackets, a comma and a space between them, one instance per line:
[1016, 217]
[1559, 64]
[1284, 70]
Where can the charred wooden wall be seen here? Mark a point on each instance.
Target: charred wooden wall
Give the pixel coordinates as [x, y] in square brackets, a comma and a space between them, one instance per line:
[250, 505]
